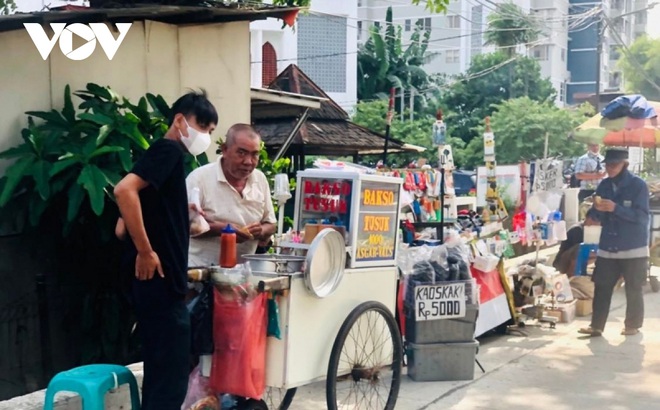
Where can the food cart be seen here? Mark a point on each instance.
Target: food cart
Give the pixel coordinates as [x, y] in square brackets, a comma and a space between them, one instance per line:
[336, 312]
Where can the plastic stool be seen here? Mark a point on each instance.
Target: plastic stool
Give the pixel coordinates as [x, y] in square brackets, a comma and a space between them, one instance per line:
[92, 382]
[584, 252]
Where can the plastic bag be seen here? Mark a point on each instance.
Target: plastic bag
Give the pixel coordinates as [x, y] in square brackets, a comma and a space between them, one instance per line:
[201, 321]
[199, 396]
[239, 332]
[198, 225]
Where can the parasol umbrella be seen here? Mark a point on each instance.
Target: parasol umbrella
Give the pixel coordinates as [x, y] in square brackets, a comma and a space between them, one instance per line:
[628, 121]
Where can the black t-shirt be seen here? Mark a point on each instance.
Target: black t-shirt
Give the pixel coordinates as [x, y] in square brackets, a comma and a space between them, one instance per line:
[165, 210]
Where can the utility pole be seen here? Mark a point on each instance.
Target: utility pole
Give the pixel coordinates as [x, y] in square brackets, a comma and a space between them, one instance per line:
[412, 104]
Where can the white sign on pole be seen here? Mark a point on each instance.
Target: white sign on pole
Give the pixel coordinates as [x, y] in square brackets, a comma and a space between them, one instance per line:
[548, 176]
[443, 301]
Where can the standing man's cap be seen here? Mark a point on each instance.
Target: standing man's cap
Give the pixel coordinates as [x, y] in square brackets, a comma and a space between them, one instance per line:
[615, 155]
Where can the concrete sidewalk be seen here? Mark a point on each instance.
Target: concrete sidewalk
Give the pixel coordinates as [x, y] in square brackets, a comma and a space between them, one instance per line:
[553, 369]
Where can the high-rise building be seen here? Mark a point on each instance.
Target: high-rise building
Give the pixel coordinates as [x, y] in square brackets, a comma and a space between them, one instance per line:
[614, 25]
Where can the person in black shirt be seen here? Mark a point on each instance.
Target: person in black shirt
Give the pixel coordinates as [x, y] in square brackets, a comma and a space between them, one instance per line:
[153, 203]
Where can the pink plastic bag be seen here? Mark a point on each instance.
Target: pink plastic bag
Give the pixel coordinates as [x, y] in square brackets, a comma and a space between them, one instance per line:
[200, 396]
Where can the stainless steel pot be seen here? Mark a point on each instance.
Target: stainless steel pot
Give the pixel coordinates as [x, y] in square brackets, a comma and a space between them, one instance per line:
[275, 263]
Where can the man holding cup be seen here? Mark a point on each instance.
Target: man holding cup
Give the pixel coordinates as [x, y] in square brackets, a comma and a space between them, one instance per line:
[621, 204]
[232, 191]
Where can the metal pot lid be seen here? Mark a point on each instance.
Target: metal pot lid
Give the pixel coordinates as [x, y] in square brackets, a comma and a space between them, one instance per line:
[326, 259]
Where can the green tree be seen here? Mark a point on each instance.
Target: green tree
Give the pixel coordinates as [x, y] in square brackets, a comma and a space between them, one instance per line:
[418, 132]
[436, 6]
[384, 62]
[472, 97]
[520, 126]
[508, 27]
[641, 67]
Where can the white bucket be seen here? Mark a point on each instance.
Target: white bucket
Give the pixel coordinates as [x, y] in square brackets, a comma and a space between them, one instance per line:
[592, 235]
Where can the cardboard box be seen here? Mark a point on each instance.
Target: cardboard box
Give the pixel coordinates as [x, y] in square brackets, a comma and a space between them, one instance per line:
[584, 307]
[564, 312]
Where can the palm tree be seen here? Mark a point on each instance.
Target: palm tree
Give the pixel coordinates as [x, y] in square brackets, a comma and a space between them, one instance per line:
[383, 62]
[509, 27]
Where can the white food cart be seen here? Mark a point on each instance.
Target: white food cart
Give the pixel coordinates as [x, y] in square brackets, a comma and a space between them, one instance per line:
[337, 315]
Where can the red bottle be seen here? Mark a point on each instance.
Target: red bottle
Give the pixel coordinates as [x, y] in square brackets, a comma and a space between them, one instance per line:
[228, 247]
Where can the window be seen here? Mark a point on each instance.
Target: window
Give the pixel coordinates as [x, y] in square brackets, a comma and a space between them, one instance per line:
[540, 52]
[427, 23]
[562, 91]
[454, 21]
[617, 4]
[563, 54]
[359, 30]
[268, 64]
[614, 80]
[452, 56]
[377, 24]
[615, 53]
[407, 25]
[641, 17]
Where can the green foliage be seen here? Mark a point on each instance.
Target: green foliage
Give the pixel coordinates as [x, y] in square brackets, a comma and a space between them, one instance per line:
[641, 67]
[509, 26]
[7, 7]
[520, 126]
[417, 132]
[473, 97]
[383, 62]
[75, 159]
[434, 6]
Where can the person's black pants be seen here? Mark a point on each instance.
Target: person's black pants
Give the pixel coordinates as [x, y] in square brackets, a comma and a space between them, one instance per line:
[606, 275]
[164, 323]
[585, 193]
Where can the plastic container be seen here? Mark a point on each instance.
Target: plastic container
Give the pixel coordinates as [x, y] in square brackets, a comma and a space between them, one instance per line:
[442, 361]
[442, 330]
[228, 247]
[592, 235]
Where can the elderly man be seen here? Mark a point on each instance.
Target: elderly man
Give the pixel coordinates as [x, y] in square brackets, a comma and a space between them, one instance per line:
[233, 191]
[589, 172]
[621, 205]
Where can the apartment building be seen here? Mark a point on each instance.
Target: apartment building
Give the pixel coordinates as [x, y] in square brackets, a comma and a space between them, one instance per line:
[616, 24]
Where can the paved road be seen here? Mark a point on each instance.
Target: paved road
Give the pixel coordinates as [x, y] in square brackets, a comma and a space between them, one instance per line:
[547, 369]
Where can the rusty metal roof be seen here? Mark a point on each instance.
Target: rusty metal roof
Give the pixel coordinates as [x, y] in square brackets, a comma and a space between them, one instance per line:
[177, 15]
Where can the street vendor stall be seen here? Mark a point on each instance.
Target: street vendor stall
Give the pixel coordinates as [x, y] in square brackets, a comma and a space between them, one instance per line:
[334, 286]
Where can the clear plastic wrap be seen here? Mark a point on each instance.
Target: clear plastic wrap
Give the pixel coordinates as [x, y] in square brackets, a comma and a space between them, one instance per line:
[200, 395]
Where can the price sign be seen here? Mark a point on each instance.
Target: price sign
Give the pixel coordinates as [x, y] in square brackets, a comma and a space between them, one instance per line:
[377, 222]
[445, 301]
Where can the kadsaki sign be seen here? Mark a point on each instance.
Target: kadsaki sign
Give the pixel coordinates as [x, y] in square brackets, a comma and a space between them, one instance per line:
[89, 34]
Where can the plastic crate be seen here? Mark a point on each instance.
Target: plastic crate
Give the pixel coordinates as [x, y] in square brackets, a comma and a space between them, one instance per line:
[442, 361]
[442, 330]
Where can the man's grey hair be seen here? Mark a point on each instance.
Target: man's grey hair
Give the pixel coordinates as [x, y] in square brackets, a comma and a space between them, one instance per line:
[236, 129]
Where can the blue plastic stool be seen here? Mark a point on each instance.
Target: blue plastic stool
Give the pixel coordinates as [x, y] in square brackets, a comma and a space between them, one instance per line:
[584, 253]
[92, 382]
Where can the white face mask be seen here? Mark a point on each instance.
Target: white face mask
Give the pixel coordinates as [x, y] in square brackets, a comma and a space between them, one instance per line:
[196, 142]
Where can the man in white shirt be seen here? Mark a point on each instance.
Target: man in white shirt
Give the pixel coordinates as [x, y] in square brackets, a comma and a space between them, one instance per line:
[589, 172]
[232, 191]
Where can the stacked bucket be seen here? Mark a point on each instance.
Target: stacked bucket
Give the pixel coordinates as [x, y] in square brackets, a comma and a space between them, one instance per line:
[442, 349]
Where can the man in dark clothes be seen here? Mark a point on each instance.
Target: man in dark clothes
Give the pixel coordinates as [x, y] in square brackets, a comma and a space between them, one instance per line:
[153, 203]
[621, 205]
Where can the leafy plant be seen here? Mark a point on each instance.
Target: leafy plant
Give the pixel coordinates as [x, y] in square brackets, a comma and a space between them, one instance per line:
[77, 158]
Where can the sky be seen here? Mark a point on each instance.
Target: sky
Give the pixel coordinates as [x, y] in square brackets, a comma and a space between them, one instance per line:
[653, 28]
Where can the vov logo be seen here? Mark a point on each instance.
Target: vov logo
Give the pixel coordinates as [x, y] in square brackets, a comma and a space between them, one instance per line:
[90, 33]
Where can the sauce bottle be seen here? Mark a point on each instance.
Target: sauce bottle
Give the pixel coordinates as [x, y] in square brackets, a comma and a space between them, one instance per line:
[228, 247]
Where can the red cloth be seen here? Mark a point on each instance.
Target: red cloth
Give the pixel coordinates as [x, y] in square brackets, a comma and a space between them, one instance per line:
[490, 285]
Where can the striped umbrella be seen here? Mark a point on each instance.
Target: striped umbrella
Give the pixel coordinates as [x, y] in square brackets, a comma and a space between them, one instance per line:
[621, 132]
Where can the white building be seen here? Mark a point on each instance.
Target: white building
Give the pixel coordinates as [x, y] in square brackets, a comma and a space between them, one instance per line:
[323, 44]
[26, 6]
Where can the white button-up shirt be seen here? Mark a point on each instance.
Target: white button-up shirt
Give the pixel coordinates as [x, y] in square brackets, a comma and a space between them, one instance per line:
[221, 202]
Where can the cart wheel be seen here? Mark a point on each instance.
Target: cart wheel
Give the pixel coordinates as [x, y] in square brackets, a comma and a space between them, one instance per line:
[655, 284]
[365, 364]
[279, 399]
